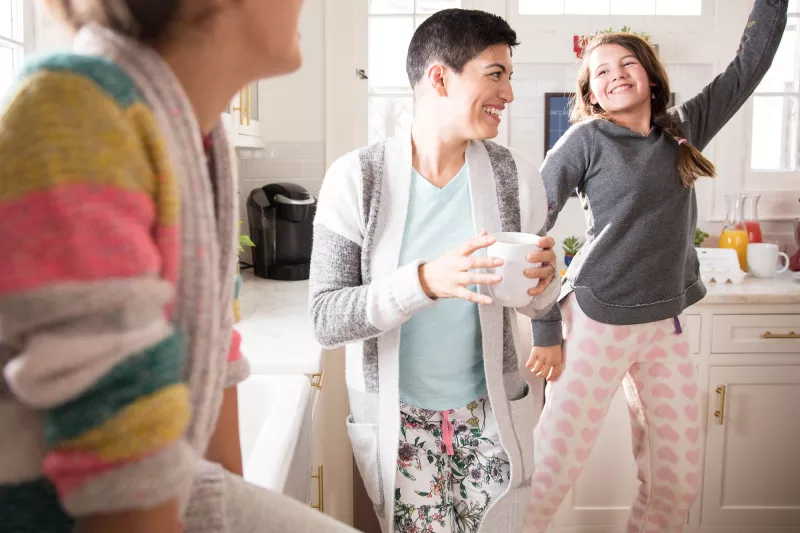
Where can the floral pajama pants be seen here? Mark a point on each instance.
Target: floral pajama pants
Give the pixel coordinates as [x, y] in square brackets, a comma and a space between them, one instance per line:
[652, 363]
[450, 467]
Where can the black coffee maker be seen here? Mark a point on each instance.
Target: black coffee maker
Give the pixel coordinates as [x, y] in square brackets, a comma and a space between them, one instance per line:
[281, 217]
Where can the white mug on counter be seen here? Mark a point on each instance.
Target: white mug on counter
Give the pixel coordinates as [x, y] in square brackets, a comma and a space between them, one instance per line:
[762, 260]
[513, 248]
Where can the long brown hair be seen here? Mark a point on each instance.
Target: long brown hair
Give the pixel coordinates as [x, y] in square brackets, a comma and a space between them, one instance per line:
[692, 164]
[146, 20]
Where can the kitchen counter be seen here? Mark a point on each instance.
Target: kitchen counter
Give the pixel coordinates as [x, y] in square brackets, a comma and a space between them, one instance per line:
[277, 336]
[778, 290]
[276, 332]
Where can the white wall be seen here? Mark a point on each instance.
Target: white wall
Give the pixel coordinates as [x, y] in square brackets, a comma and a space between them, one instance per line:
[292, 107]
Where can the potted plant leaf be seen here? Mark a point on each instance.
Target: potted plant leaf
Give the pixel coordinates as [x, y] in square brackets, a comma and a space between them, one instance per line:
[699, 237]
[571, 247]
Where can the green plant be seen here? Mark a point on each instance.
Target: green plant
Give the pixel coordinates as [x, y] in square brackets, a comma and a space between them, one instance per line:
[572, 245]
[699, 236]
[244, 240]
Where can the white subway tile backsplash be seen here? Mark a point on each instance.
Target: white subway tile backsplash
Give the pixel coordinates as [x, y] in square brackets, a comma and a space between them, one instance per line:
[302, 163]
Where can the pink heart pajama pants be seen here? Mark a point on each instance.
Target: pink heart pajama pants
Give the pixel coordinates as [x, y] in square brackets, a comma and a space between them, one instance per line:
[653, 364]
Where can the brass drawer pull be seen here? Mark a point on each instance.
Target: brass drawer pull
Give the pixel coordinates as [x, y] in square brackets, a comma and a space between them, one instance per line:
[720, 413]
[320, 490]
[790, 335]
[317, 380]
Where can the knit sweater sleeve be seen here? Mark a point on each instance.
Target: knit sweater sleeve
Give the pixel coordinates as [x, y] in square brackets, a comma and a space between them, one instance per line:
[563, 170]
[345, 307]
[704, 115]
[83, 296]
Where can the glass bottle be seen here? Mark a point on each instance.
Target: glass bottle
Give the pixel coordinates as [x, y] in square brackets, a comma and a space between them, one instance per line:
[734, 234]
[751, 223]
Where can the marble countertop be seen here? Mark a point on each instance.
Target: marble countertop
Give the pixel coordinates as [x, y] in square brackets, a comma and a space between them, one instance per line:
[277, 336]
[778, 290]
[276, 332]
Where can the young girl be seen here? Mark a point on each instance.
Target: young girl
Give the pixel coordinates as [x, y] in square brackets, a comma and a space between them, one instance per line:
[634, 163]
[120, 363]
[441, 424]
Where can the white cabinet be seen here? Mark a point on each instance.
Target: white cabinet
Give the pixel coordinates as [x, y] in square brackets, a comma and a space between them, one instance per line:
[331, 452]
[604, 492]
[242, 119]
[751, 480]
[752, 458]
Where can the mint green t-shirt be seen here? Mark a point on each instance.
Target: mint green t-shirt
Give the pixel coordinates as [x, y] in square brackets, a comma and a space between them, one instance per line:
[441, 358]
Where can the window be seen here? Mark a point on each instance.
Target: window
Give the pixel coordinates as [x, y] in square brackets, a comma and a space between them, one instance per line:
[12, 41]
[610, 7]
[391, 26]
[775, 105]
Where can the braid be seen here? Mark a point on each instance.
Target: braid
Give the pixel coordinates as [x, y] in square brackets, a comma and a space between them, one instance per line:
[692, 164]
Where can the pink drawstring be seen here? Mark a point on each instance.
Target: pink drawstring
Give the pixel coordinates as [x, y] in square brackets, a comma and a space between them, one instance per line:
[447, 432]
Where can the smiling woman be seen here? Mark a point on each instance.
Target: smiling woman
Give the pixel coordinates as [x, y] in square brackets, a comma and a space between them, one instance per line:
[443, 351]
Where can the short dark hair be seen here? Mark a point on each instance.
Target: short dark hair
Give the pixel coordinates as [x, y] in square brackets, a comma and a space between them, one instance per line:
[455, 37]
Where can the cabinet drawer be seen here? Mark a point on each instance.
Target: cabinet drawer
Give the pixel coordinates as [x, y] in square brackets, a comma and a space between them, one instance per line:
[756, 334]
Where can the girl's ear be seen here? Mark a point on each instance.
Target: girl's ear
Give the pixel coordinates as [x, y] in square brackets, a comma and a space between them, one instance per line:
[592, 98]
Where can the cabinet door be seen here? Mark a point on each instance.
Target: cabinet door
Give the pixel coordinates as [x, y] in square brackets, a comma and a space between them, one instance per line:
[752, 475]
[249, 125]
[331, 453]
[605, 491]
[241, 119]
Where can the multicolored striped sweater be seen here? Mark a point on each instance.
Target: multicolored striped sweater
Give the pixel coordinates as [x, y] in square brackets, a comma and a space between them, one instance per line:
[116, 283]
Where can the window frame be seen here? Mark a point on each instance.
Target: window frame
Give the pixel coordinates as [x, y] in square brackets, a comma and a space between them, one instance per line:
[757, 173]
[563, 23]
[396, 92]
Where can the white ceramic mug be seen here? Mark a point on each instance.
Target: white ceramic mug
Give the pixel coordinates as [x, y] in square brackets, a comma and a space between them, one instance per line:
[762, 260]
[513, 249]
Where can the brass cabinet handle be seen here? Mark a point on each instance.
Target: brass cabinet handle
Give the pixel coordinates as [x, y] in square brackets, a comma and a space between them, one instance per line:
[317, 380]
[240, 109]
[790, 335]
[720, 413]
[320, 490]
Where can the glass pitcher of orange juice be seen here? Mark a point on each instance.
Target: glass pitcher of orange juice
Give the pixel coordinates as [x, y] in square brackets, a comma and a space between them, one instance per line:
[734, 234]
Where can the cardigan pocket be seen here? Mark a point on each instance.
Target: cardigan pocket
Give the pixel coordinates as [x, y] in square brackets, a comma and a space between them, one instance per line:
[364, 439]
[523, 419]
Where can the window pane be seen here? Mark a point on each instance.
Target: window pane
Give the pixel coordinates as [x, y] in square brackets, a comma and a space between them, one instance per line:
[432, 6]
[388, 47]
[633, 7]
[5, 19]
[774, 144]
[6, 69]
[586, 7]
[782, 75]
[541, 7]
[17, 16]
[679, 7]
[389, 6]
[794, 6]
[388, 115]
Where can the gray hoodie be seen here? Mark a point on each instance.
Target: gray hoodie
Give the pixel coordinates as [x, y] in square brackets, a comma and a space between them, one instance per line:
[639, 263]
